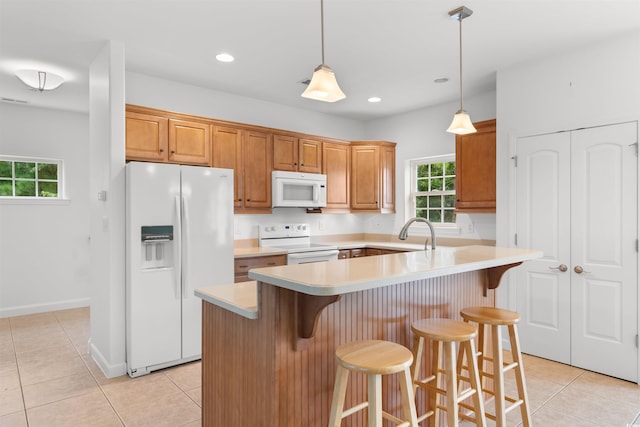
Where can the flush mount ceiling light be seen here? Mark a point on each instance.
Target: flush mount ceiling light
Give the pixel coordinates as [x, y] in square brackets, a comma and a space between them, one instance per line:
[461, 124]
[374, 99]
[323, 85]
[39, 80]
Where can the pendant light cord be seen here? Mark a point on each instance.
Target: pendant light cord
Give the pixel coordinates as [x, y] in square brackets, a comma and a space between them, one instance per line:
[322, 27]
[460, 50]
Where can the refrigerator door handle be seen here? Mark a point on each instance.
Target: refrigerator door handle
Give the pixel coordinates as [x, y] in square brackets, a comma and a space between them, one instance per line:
[185, 248]
[178, 264]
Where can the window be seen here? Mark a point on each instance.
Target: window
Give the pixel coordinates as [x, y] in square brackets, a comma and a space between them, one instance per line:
[25, 177]
[433, 189]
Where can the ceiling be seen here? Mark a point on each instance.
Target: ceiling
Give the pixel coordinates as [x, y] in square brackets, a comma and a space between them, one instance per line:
[393, 49]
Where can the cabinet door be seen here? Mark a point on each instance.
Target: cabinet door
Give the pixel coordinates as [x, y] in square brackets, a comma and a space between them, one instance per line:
[365, 178]
[227, 153]
[189, 142]
[310, 156]
[476, 169]
[146, 137]
[344, 254]
[258, 161]
[388, 164]
[336, 160]
[285, 153]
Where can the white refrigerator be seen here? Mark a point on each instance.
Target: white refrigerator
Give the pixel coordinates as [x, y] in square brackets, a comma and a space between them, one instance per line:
[179, 237]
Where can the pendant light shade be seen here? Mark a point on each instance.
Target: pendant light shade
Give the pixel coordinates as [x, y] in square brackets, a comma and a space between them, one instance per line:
[461, 124]
[39, 80]
[323, 85]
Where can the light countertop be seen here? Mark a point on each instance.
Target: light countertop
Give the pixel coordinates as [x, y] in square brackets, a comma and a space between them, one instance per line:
[357, 274]
[240, 298]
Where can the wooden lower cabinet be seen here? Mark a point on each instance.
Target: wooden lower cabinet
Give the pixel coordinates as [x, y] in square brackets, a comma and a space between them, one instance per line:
[243, 265]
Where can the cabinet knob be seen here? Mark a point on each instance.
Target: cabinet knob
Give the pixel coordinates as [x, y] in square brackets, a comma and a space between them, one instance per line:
[173, 151]
[248, 200]
[161, 150]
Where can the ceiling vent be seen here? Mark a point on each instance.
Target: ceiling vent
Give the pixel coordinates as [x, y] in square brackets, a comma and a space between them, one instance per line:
[14, 101]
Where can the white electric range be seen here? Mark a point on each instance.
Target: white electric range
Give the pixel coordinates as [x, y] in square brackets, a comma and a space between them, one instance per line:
[296, 240]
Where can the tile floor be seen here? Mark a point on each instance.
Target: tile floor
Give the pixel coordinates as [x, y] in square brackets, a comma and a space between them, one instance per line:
[47, 379]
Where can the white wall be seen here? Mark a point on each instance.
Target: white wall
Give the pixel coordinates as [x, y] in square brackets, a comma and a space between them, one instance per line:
[44, 246]
[595, 85]
[107, 160]
[422, 133]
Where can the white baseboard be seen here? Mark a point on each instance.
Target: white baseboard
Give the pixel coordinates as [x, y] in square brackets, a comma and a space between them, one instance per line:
[41, 308]
[109, 370]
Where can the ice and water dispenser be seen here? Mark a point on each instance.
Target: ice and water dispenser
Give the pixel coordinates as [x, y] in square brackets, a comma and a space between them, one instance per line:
[157, 246]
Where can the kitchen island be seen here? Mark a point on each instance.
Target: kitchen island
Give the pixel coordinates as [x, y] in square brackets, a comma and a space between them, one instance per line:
[268, 349]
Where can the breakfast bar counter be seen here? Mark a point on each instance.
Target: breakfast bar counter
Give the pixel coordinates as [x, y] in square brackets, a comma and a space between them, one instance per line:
[273, 364]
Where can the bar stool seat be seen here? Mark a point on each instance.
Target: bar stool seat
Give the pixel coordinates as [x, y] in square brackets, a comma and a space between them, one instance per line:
[494, 318]
[373, 358]
[445, 334]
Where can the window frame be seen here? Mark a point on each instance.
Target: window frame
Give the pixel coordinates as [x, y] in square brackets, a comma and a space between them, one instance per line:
[413, 193]
[59, 199]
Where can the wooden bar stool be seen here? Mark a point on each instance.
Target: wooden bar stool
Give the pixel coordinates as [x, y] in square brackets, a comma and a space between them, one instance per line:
[373, 358]
[444, 334]
[495, 318]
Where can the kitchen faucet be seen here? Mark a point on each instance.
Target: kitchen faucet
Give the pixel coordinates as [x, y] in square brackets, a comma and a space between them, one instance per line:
[405, 231]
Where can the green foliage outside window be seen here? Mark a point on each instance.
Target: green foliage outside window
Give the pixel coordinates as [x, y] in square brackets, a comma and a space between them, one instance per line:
[29, 179]
[435, 191]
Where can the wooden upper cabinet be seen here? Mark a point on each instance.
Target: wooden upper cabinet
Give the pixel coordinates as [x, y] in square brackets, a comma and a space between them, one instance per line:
[250, 154]
[336, 161]
[476, 169]
[227, 153]
[310, 156]
[388, 177]
[285, 153]
[189, 142]
[146, 137]
[373, 176]
[158, 136]
[297, 154]
[257, 154]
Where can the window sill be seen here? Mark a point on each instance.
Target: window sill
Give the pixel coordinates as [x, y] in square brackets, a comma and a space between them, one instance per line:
[441, 230]
[34, 201]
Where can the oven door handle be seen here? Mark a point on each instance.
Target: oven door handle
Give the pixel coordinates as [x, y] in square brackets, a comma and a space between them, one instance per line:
[313, 254]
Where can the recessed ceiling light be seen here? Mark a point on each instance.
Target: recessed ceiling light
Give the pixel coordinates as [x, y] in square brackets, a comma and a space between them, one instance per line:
[224, 57]
[441, 80]
[374, 99]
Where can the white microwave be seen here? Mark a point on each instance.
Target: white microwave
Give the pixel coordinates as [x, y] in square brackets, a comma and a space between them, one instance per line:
[298, 190]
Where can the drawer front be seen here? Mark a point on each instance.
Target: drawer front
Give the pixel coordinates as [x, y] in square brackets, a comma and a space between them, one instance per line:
[344, 254]
[243, 265]
[356, 253]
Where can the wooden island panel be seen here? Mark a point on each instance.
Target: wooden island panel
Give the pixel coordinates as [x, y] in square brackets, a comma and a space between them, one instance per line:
[257, 372]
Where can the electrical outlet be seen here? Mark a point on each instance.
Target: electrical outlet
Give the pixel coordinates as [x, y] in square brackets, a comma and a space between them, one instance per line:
[320, 225]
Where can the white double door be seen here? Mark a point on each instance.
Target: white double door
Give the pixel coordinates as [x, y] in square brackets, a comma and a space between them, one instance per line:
[577, 201]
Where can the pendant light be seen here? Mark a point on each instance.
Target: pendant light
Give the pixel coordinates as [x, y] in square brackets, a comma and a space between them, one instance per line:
[323, 85]
[461, 124]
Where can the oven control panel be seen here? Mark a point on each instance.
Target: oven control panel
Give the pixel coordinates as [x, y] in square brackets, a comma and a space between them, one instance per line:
[278, 231]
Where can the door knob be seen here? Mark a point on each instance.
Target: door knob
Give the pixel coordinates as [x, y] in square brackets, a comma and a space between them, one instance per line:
[578, 269]
[561, 267]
